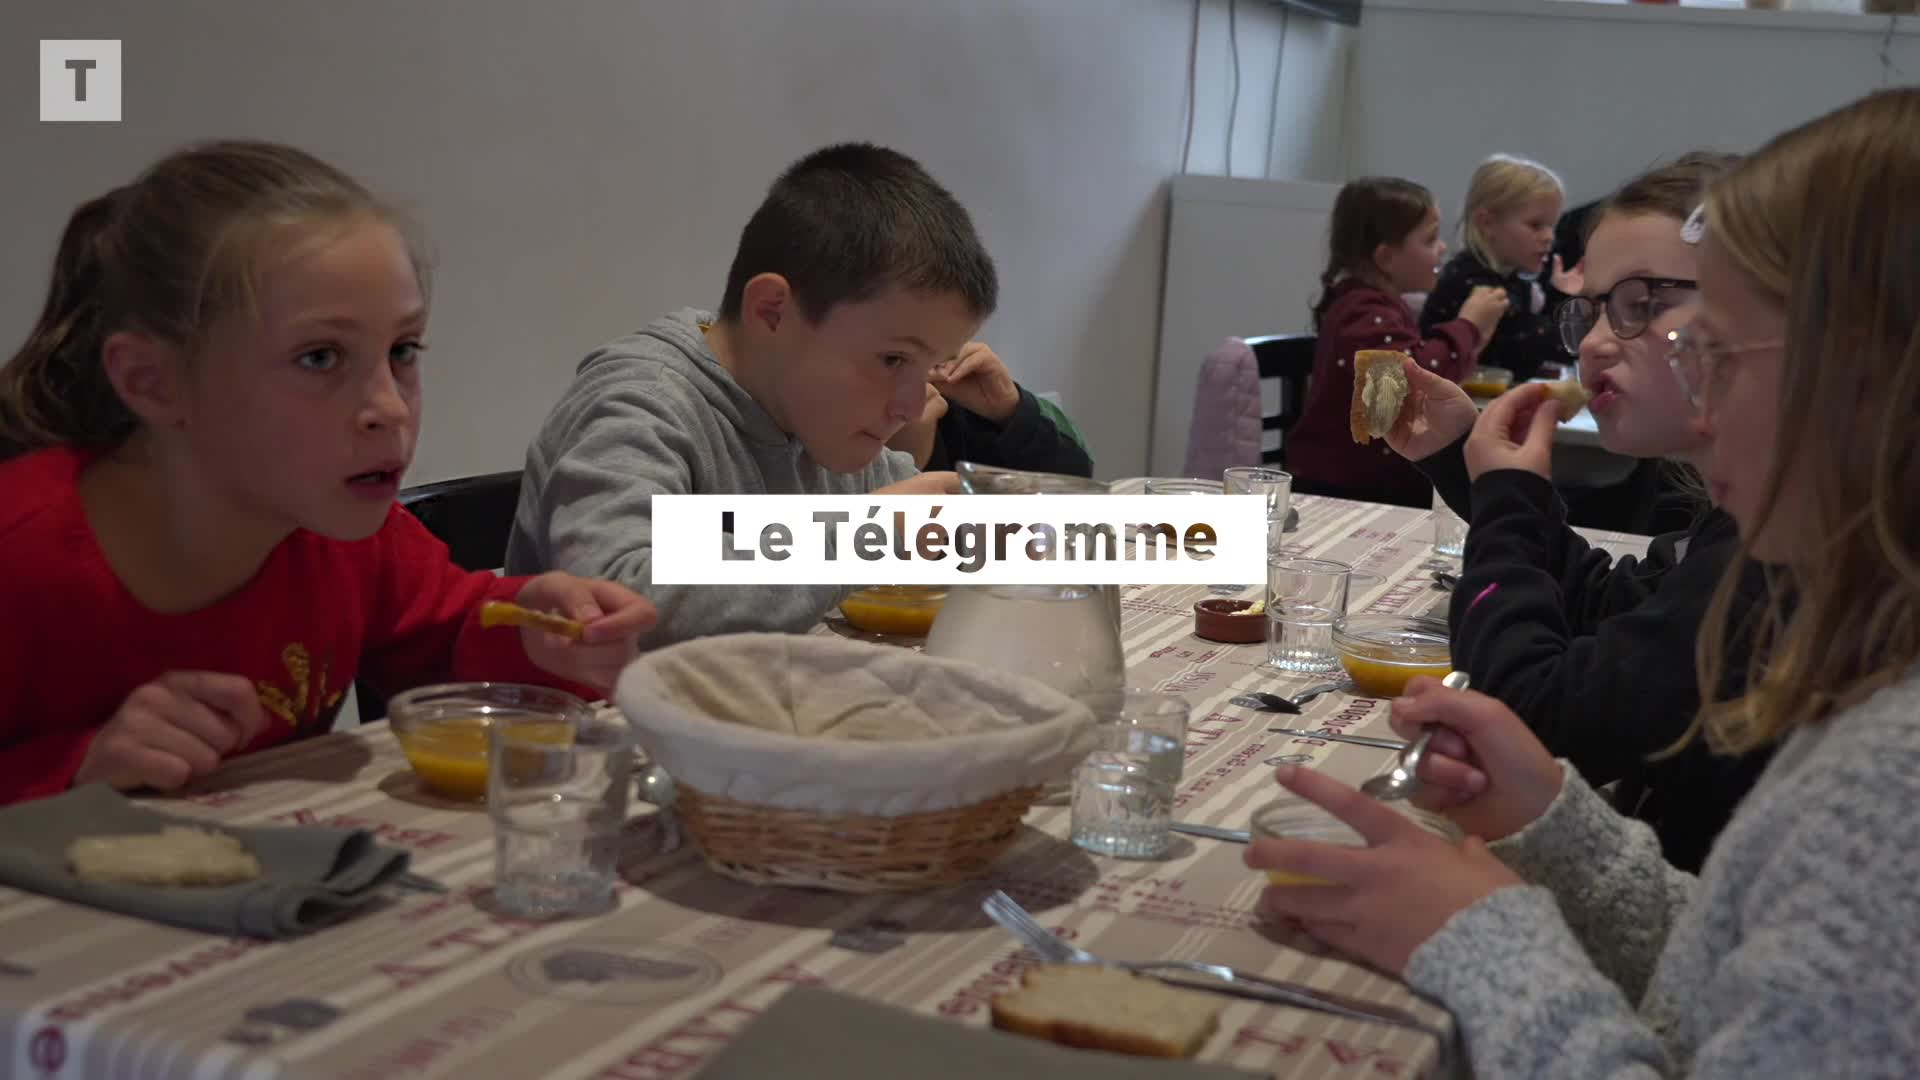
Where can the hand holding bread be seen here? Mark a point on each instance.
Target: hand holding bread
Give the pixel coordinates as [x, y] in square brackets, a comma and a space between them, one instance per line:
[1438, 414]
[1516, 430]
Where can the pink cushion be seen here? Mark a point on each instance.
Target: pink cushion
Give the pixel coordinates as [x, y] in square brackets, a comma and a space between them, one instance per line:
[1226, 411]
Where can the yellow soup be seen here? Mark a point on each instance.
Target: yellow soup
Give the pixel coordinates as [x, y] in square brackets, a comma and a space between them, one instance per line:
[1484, 389]
[904, 609]
[1382, 678]
[1282, 877]
[450, 756]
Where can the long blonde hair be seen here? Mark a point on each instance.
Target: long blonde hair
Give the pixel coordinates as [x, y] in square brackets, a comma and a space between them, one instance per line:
[165, 255]
[1823, 222]
[1501, 183]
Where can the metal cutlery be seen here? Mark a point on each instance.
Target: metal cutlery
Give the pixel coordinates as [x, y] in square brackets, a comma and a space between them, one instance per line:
[418, 883]
[1341, 737]
[1265, 702]
[1404, 780]
[1052, 949]
[1213, 832]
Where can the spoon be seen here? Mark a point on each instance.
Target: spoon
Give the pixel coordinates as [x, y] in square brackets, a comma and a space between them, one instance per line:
[658, 788]
[1265, 702]
[1404, 780]
[1444, 581]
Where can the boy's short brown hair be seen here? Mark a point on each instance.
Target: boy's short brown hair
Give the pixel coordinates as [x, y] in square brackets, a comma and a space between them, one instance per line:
[846, 222]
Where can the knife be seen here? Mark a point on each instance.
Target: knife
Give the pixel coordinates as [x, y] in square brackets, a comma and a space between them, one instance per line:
[1213, 832]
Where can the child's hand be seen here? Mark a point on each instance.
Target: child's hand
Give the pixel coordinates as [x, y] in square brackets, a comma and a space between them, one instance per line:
[174, 729]
[615, 617]
[1516, 432]
[916, 437]
[1569, 282]
[1486, 305]
[1445, 409]
[926, 483]
[979, 382]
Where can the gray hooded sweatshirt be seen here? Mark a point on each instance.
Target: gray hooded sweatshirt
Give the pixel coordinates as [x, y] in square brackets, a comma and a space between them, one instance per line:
[650, 413]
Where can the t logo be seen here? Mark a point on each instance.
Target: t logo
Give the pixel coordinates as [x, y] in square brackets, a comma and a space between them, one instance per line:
[79, 80]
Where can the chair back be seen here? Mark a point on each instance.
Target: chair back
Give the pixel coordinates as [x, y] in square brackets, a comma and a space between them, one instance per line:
[1226, 411]
[1286, 367]
[473, 516]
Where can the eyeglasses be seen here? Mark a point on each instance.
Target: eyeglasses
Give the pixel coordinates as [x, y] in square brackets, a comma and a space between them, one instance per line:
[1697, 361]
[1630, 305]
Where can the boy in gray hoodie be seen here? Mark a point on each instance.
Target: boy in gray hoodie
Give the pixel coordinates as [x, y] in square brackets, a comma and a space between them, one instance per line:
[854, 278]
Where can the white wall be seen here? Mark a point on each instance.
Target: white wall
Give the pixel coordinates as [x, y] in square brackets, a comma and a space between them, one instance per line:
[584, 164]
[1438, 84]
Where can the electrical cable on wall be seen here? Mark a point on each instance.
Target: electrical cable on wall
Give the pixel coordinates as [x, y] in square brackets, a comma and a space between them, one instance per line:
[1193, 84]
[1273, 110]
[1233, 106]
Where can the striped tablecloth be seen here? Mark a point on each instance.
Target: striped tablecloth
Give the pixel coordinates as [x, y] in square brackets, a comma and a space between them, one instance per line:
[439, 985]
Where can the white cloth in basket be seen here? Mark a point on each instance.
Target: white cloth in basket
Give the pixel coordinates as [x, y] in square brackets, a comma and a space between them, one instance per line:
[835, 726]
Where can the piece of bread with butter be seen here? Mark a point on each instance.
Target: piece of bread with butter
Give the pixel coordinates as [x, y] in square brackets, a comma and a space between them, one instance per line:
[176, 855]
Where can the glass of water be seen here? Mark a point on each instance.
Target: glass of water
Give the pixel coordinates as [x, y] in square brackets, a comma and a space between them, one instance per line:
[1184, 485]
[1120, 807]
[1277, 486]
[1304, 597]
[1449, 535]
[1149, 725]
[557, 789]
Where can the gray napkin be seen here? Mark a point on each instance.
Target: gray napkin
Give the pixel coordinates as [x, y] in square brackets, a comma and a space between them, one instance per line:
[816, 1034]
[309, 877]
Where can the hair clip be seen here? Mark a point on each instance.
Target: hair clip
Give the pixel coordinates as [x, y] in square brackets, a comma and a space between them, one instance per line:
[1695, 226]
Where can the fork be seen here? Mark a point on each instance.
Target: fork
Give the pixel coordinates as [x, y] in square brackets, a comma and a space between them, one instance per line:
[1053, 949]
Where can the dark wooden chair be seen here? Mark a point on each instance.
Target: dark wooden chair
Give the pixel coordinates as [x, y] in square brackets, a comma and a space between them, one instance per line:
[473, 516]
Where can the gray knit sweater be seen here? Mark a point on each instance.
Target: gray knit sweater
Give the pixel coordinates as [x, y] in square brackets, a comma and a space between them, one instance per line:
[1796, 953]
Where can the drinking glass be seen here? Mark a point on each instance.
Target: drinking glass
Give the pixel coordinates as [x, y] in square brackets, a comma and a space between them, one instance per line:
[1304, 597]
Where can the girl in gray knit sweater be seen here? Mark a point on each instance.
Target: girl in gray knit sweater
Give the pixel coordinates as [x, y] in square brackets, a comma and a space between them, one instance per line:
[1557, 936]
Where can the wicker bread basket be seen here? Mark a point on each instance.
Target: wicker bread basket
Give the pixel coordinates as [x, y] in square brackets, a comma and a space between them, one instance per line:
[827, 762]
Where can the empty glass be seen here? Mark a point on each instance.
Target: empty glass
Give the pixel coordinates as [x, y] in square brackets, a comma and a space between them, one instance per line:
[557, 789]
[1148, 725]
[1304, 597]
[1449, 535]
[1120, 807]
[1277, 486]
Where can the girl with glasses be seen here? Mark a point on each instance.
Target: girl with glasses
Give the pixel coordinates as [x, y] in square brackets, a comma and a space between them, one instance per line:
[1596, 654]
[1561, 941]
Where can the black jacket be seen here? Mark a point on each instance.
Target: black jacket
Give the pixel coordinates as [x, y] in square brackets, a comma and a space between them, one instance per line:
[1028, 440]
[1524, 338]
[1597, 654]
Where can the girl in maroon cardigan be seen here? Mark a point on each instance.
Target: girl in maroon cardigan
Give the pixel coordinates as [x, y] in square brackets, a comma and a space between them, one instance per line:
[1384, 242]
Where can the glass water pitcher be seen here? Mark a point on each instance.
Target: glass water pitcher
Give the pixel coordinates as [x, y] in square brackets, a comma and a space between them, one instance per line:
[1066, 636]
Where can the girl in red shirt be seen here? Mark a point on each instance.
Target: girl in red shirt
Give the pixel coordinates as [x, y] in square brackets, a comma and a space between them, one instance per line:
[208, 426]
[1384, 242]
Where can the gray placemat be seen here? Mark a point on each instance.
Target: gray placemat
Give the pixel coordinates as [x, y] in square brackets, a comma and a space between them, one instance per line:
[309, 876]
[812, 1033]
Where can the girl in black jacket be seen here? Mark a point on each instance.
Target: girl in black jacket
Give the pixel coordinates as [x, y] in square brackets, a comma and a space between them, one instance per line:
[1597, 654]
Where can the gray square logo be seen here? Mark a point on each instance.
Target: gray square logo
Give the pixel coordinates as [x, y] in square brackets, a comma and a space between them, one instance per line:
[80, 81]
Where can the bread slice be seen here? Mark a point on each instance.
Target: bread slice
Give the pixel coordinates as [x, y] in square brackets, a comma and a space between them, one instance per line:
[1572, 397]
[1380, 391]
[175, 855]
[1103, 1008]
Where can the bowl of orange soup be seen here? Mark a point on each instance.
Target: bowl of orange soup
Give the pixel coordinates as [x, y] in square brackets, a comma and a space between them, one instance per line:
[894, 609]
[1487, 382]
[443, 729]
[1382, 652]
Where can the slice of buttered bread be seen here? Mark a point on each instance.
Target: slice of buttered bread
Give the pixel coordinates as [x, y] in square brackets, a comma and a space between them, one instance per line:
[1101, 1008]
[175, 855]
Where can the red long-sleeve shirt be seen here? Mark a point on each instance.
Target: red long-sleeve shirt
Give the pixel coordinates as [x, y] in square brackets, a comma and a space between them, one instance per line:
[1320, 448]
[74, 643]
